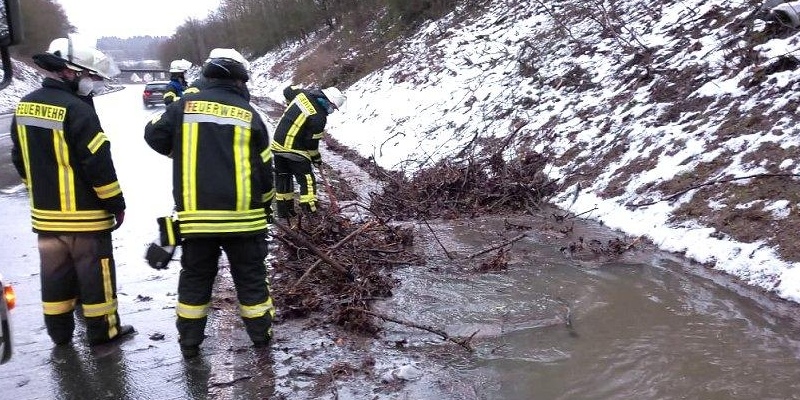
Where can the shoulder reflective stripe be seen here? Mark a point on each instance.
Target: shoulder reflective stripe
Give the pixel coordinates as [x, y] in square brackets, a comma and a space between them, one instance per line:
[99, 309]
[66, 176]
[305, 105]
[242, 167]
[190, 311]
[318, 135]
[40, 123]
[58, 307]
[189, 166]
[215, 119]
[258, 310]
[108, 191]
[98, 141]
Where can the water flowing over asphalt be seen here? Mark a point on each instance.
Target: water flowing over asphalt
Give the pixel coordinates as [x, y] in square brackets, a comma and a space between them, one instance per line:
[643, 325]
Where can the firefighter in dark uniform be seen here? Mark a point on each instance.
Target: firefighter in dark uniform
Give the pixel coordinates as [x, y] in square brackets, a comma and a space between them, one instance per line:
[223, 189]
[64, 159]
[296, 145]
[177, 80]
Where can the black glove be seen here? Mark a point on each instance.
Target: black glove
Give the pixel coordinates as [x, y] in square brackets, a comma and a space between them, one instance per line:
[158, 257]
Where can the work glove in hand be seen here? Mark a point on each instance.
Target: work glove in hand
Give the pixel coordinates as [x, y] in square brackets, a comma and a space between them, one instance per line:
[268, 212]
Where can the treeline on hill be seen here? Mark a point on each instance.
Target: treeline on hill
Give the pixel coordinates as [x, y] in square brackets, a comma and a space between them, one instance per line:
[257, 27]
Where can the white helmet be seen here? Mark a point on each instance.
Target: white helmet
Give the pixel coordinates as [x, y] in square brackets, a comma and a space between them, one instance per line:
[179, 65]
[335, 96]
[79, 57]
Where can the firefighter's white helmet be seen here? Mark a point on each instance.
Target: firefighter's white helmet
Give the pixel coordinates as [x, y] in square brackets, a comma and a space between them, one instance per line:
[80, 56]
[180, 65]
[335, 96]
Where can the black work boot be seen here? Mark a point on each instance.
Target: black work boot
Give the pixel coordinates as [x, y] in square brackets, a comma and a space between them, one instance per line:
[124, 332]
[190, 351]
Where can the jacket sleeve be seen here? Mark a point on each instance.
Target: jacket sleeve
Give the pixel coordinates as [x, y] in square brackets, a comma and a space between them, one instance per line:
[159, 131]
[172, 94]
[16, 152]
[261, 143]
[93, 151]
[316, 130]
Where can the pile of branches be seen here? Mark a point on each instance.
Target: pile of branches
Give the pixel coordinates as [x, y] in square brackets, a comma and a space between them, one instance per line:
[454, 189]
[328, 265]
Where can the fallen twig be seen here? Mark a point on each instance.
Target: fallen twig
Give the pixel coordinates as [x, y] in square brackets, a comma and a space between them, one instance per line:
[314, 249]
[495, 247]
[463, 342]
[346, 239]
[447, 253]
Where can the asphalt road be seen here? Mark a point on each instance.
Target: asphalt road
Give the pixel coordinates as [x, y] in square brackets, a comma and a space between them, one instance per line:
[8, 177]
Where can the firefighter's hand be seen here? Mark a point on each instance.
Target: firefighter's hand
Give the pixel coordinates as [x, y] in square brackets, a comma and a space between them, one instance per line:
[268, 212]
[119, 217]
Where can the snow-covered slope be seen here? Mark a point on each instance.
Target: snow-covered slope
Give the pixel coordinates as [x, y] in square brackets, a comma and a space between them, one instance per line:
[673, 120]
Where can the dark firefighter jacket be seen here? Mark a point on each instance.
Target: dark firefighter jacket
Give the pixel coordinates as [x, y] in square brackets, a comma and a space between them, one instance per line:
[64, 158]
[301, 126]
[222, 163]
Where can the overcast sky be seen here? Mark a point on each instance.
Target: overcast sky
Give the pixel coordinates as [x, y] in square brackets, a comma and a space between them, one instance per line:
[94, 18]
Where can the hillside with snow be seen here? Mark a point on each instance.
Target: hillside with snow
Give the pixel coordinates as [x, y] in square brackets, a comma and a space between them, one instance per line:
[673, 121]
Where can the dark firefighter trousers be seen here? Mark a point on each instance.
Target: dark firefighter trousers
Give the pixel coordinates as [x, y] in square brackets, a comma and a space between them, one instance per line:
[286, 172]
[79, 267]
[200, 264]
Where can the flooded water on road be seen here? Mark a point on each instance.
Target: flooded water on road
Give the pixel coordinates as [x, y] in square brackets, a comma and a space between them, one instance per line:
[555, 325]
[636, 327]
[551, 326]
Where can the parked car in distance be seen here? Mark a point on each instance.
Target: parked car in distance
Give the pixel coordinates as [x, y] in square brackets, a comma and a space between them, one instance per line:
[153, 94]
[7, 301]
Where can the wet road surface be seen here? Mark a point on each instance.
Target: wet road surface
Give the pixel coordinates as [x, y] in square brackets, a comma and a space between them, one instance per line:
[645, 325]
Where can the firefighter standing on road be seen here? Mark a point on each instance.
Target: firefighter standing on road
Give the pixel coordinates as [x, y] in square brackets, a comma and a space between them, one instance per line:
[64, 159]
[223, 189]
[177, 80]
[296, 145]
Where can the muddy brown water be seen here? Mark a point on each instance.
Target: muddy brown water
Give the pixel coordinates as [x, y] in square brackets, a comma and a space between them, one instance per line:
[645, 325]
